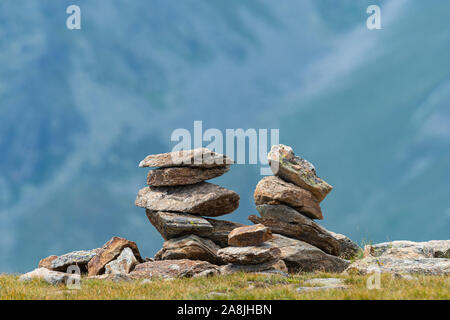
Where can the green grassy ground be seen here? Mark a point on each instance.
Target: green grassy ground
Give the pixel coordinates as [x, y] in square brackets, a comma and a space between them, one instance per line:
[237, 286]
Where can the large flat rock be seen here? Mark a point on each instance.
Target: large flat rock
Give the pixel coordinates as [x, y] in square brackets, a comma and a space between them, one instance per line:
[300, 256]
[273, 190]
[60, 263]
[180, 176]
[201, 157]
[284, 220]
[204, 199]
[286, 165]
[170, 269]
[190, 247]
[49, 276]
[410, 249]
[249, 255]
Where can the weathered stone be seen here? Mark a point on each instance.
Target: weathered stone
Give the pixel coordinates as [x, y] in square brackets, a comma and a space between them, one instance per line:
[284, 220]
[50, 276]
[300, 256]
[201, 157]
[409, 249]
[249, 255]
[273, 190]
[189, 247]
[221, 230]
[172, 225]
[204, 199]
[249, 235]
[349, 249]
[180, 176]
[323, 284]
[110, 251]
[61, 263]
[272, 267]
[299, 171]
[173, 269]
[123, 264]
[390, 264]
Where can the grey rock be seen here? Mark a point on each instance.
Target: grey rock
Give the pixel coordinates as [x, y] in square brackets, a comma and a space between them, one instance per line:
[50, 276]
[349, 249]
[123, 264]
[61, 263]
[171, 269]
[180, 176]
[204, 199]
[410, 249]
[271, 267]
[249, 255]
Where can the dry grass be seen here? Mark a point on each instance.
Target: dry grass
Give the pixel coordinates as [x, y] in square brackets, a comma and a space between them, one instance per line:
[237, 286]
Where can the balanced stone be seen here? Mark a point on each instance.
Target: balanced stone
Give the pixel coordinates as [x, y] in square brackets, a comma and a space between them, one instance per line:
[189, 247]
[110, 251]
[249, 235]
[273, 190]
[221, 230]
[179, 176]
[299, 171]
[205, 199]
[249, 255]
[201, 157]
[284, 220]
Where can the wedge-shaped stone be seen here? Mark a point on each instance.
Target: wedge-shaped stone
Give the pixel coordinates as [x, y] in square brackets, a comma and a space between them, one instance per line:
[180, 176]
[286, 165]
[249, 235]
[249, 255]
[204, 199]
[201, 157]
[190, 247]
[273, 190]
[110, 251]
[300, 256]
[61, 263]
[284, 220]
[170, 269]
[172, 225]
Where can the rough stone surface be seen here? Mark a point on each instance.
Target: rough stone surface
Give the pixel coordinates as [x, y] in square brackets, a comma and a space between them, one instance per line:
[389, 264]
[410, 249]
[299, 171]
[180, 176]
[201, 157]
[249, 235]
[300, 256]
[249, 255]
[110, 251]
[169, 269]
[272, 267]
[61, 263]
[273, 190]
[323, 284]
[189, 247]
[204, 199]
[172, 225]
[123, 264]
[284, 220]
[50, 276]
[349, 249]
[221, 230]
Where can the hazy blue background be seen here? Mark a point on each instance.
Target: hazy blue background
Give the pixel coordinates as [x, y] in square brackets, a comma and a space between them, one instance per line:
[80, 109]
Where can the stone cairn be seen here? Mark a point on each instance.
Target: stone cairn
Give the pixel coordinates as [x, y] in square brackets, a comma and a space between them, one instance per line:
[284, 238]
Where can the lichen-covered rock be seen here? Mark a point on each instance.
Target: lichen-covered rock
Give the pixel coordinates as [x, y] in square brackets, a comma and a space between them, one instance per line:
[179, 176]
[390, 264]
[189, 247]
[123, 264]
[409, 249]
[61, 263]
[173, 225]
[221, 230]
[300, 256]
[50, 276]
[170, 269]
[284, 220]
[249, 235]
[275, 266]
[349, 249]
[201, 157]
[273, 190]
[299, 171]
[110, 251]
[204, 199]
[249, 255]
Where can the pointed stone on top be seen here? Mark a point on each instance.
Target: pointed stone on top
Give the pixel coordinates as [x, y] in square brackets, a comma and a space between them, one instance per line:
[286, 165]
[200, 157]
